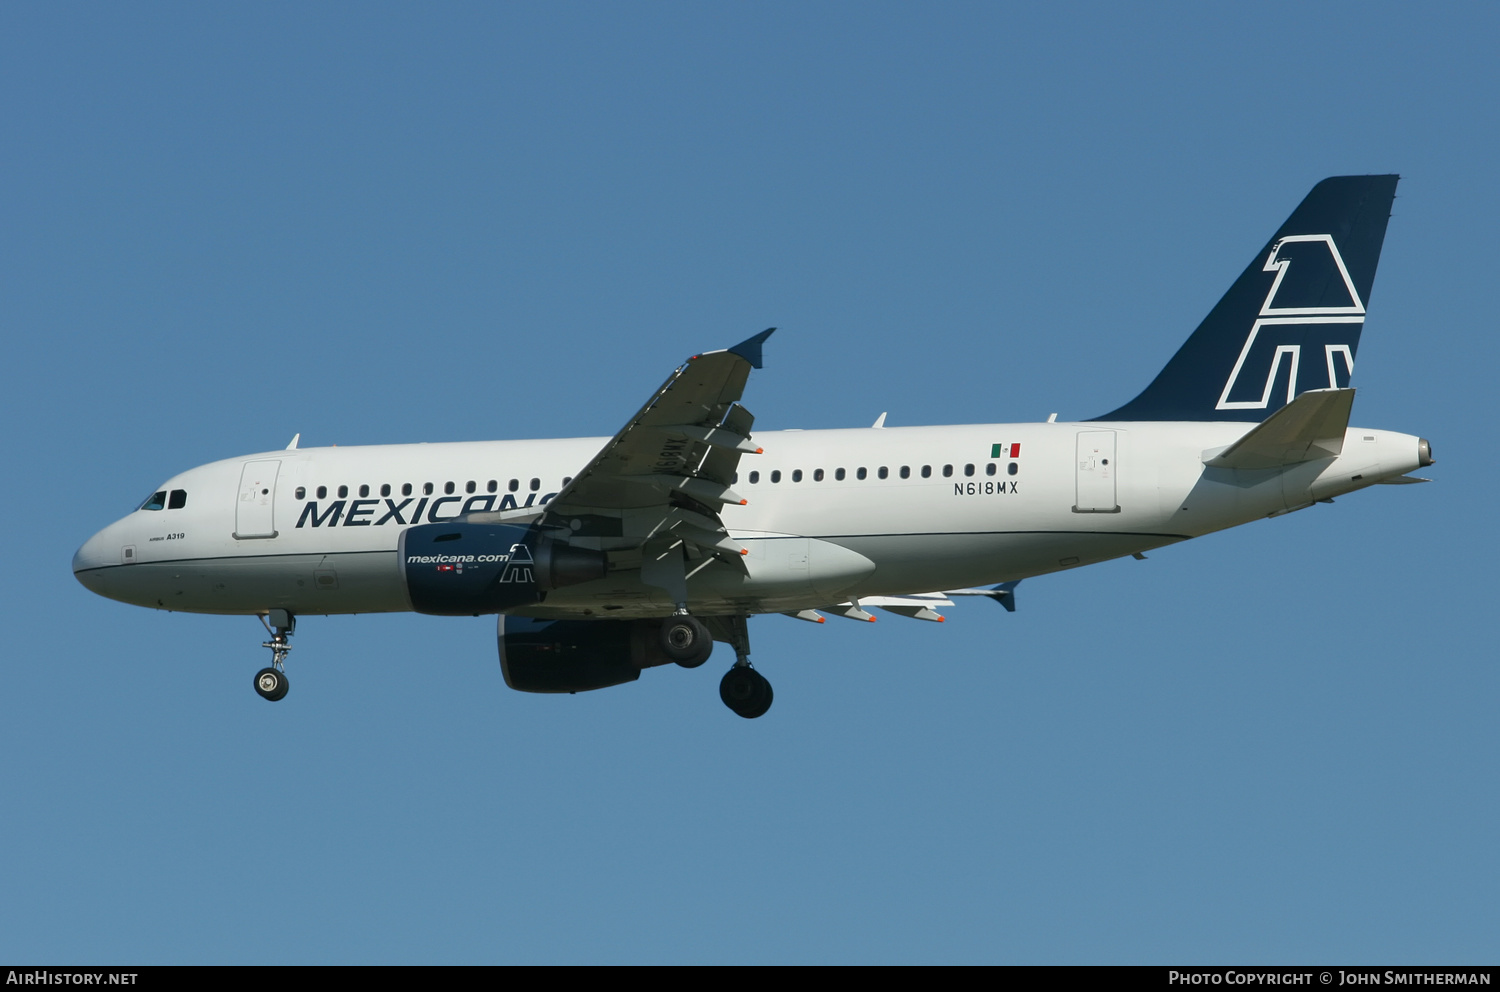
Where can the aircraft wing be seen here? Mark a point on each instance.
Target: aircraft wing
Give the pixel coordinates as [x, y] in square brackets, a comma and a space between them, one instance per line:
[667, 473]
[917, 605]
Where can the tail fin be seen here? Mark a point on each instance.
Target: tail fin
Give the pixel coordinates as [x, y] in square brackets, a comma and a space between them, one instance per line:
[1290, 322]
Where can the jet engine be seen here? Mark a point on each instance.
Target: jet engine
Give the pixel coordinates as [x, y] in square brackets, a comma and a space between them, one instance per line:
[576, 655]
[465, 569]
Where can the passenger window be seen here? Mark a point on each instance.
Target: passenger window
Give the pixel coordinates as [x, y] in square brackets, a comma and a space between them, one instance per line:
[301, 492]
[364, 491]
[860, 474]
[385, 489]
[969, 469]
[536, 484]
[989, 469]
[567, 479]
[343, 491]
[754, 478]
[906, 471]
[884, 473]
[776, 475]
[406, 489]
[1011, 468]
[515, 484]
[926, 471]
[426, 489]
[492, 486]
[156, 502]
[448, 488]
[322, 492]
[838, 475]
[947, 471]
[796, 475]
[817, 475]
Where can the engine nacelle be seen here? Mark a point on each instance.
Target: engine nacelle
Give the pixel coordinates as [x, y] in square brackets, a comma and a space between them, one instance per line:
[465, 569]
[576, 655]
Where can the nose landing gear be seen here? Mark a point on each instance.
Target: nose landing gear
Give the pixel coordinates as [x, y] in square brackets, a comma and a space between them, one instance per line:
[271, 682]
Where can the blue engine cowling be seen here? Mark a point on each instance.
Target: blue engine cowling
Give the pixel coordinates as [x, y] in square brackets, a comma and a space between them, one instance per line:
[576, 655]
[465, 569]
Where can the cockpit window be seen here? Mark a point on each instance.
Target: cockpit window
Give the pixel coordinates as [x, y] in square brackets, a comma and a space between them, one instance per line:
[177, 500]
[156, 502]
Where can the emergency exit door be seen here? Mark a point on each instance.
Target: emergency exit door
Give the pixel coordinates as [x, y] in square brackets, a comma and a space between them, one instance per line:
[254, 514]
[1096, 473]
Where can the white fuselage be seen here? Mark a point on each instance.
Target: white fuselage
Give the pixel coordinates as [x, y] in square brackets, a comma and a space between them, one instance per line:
[1061, 495]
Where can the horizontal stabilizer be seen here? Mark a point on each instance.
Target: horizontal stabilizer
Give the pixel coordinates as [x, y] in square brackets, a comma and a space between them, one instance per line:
[1312, 426]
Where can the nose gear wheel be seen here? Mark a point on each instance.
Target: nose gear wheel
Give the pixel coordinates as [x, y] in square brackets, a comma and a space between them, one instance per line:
[271, 684]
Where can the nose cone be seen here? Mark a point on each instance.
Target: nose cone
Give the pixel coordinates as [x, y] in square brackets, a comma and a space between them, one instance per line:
[98, 552]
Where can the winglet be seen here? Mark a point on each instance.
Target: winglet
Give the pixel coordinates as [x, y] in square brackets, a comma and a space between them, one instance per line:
[749, 349]
[295, 438]
[1005, 595]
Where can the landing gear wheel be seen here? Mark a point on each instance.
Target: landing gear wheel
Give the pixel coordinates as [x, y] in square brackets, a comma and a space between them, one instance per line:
[271, 684]
[746, 692]
[686, 641]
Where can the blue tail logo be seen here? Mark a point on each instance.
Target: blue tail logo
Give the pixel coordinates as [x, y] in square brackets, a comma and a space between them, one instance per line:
[1292, 320]
[1310, 274]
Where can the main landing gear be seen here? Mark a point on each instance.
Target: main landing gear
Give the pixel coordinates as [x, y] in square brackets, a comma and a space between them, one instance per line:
[271, 682]
[688, 641]
[744, 690]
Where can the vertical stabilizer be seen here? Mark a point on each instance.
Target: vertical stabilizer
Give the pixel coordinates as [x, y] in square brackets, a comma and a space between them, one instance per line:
[1290, 322]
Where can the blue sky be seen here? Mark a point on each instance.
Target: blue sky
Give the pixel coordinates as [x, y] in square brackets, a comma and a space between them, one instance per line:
[386, 223]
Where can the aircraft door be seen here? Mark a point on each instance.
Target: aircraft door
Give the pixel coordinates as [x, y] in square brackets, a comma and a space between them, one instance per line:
[254, 514]
[1096, 473]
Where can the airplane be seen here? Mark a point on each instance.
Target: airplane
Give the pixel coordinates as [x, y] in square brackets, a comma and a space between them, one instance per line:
[605, 556]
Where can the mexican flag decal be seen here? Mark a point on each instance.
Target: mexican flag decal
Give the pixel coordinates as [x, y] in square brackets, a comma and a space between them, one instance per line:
[1000, 451]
